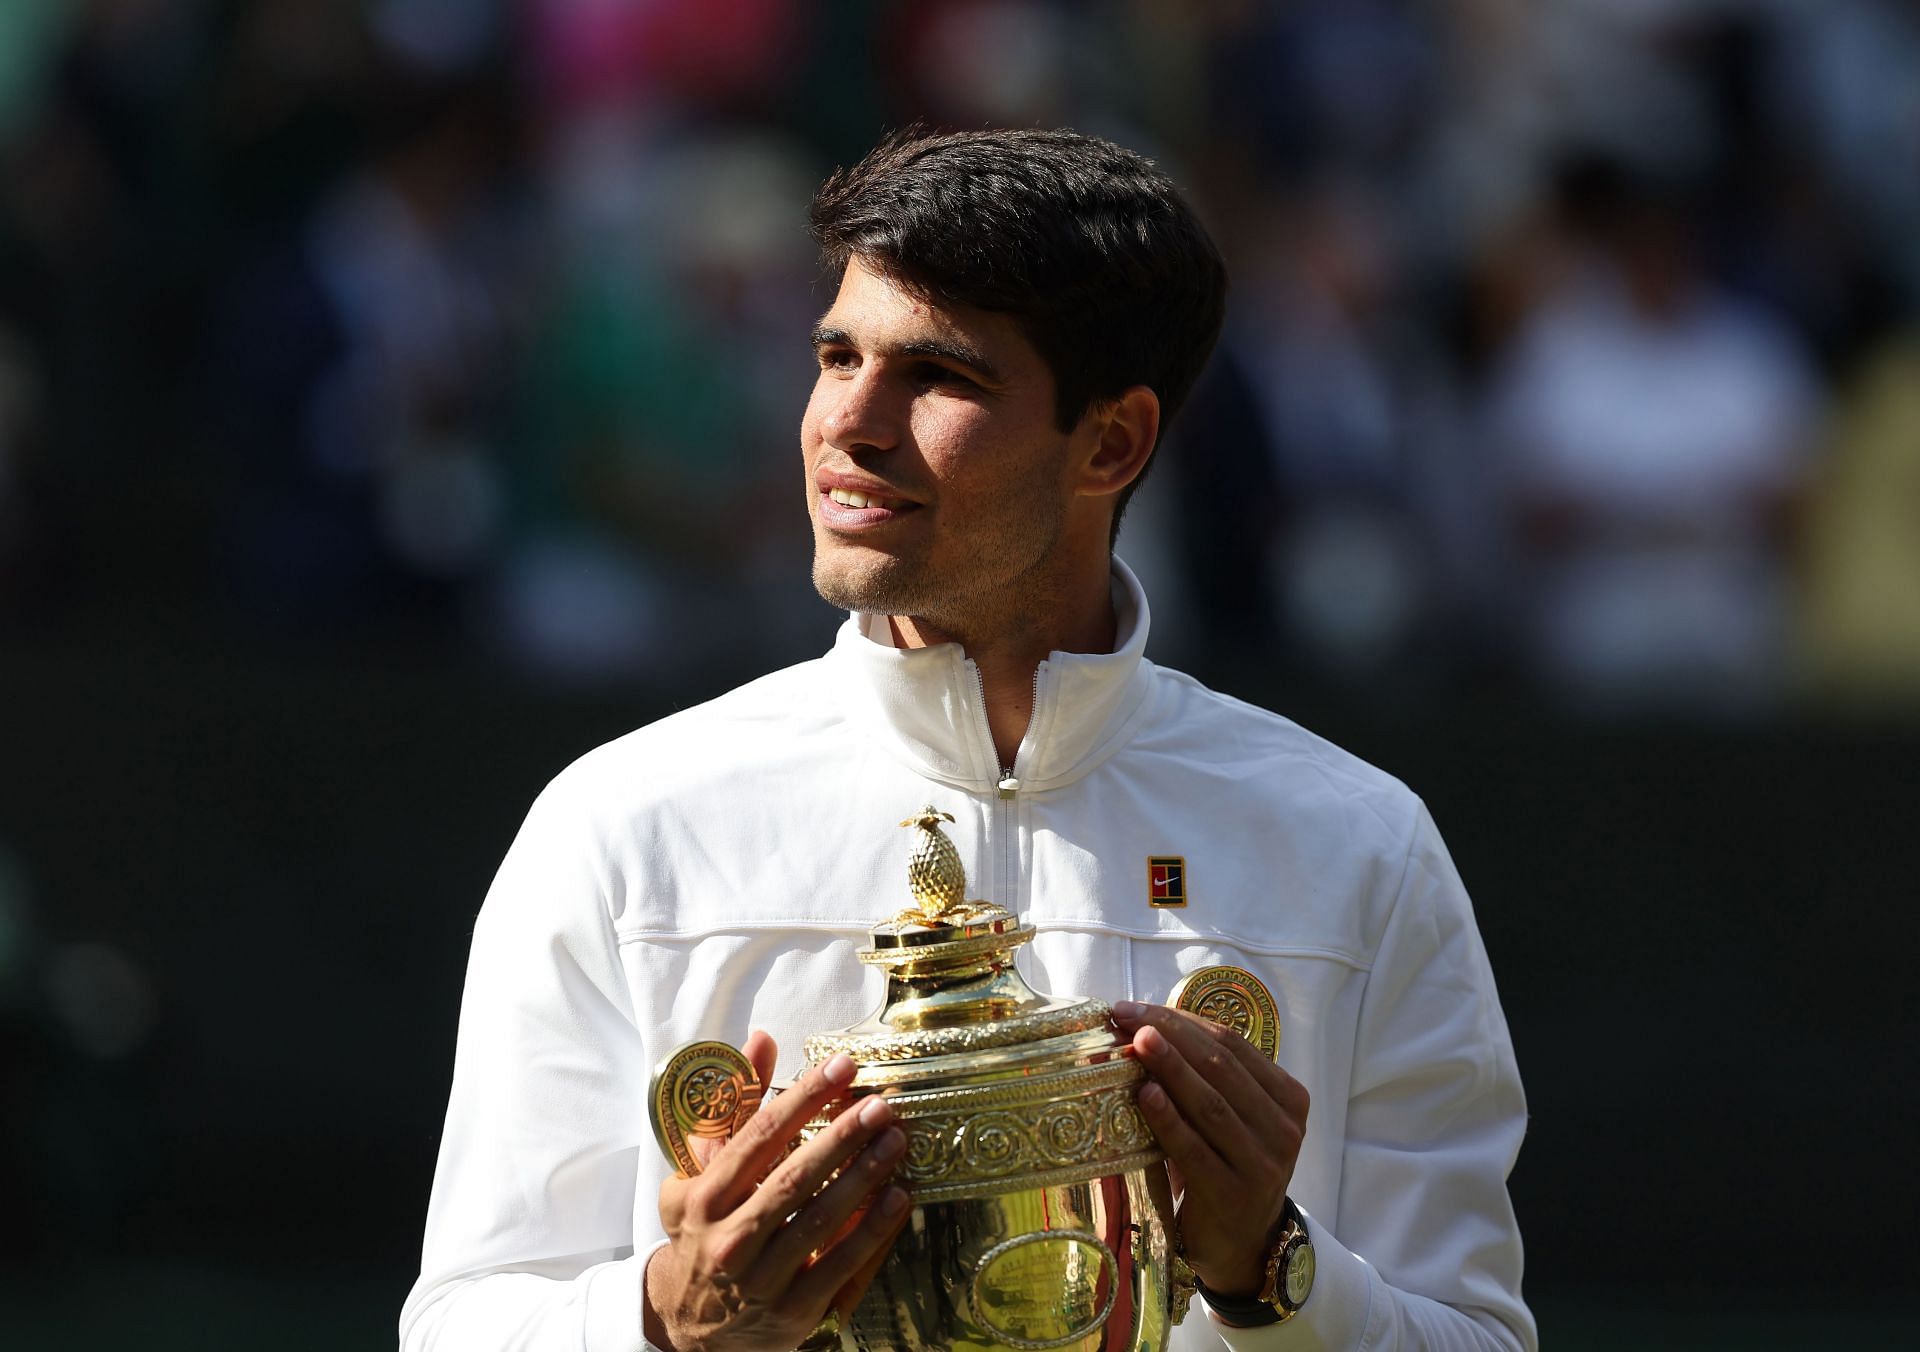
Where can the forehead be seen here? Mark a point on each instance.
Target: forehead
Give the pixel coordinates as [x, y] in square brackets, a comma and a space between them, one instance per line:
[877, 315]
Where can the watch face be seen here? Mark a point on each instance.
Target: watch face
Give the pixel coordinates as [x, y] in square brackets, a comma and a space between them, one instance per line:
[1299, 1275]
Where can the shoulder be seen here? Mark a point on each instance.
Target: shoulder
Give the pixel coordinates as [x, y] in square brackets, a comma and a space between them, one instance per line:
[772, 718]
[1313, 841]
[1271, 757]
[611, 817]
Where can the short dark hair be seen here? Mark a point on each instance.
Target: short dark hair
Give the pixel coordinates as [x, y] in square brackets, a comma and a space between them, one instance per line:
[1087, 245]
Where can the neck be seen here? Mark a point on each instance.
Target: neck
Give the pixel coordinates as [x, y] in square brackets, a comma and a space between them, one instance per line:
[1076, 618]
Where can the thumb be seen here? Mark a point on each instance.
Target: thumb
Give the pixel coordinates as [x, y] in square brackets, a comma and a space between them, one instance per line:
[763, 1052]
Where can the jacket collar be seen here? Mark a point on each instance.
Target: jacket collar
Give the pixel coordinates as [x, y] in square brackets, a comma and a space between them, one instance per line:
[926, 703]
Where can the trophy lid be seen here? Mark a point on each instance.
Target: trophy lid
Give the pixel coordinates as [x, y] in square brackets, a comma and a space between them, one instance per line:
[954, 1006]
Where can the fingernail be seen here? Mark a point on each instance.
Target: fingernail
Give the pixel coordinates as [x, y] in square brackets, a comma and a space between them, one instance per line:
[1148, 1040]
[893, 1201]
[890, 1144]
[1152, 1096]
[874, 1111]
[1128, 1010]
[839, 1068]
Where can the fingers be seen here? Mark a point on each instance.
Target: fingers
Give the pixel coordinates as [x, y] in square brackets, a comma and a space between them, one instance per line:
[842, 1274]
[1212, 1066]
[772, 1233]
[735, 1171]
[1273, 1077]
[803, 1204]
[763, 1051]
[888, 1216]
[823, 1219]
[1215, 1095]
[1232, 1124]
[802, 1175]
[1188, 1152]
[1228, 1118]
[1194, 1035]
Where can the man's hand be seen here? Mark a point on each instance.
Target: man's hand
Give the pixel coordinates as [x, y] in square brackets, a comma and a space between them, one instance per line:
[758, 1247]
[1231, 1122]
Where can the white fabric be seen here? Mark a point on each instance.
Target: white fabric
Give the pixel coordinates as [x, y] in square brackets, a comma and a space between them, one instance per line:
[715, 872]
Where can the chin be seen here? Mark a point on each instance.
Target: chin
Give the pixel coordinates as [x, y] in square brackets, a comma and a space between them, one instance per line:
[877, 584]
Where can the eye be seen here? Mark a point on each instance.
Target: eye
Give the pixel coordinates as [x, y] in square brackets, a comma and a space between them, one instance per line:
[932, 373]
[837, 359]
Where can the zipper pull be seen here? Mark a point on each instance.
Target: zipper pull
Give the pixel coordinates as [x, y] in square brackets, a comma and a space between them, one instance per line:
[1008, 785]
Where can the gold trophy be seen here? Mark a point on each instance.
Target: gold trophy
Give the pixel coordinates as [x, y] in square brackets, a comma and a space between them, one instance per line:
[1042, 1216]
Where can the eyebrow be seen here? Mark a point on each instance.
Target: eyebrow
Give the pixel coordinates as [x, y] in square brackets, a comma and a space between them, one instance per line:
[946, 349]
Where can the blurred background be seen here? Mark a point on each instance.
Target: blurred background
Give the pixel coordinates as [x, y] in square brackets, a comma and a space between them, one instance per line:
[398, 398]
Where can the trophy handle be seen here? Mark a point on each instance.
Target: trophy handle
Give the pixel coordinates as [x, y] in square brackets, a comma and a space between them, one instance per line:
[702, 1091]
[1235, 997]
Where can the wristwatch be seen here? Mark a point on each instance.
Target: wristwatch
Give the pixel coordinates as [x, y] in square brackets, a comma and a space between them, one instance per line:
[1288, 1283]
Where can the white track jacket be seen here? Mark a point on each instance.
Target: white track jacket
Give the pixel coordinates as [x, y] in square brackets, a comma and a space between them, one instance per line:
[715, 871]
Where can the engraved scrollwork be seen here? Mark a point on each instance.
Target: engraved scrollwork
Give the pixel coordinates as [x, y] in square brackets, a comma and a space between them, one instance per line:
[1124, 1125]
[711, 1095]
[994, 1144]
[1086, 1136]
[1235, 998]
[702, 1091]
[1227, 1007]
[930, 1148]
[1067, 1130]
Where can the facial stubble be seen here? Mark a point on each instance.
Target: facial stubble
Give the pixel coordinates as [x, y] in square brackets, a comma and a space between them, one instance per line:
[994, 581]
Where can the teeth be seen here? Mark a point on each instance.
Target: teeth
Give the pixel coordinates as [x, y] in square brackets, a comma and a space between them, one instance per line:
[847, 498]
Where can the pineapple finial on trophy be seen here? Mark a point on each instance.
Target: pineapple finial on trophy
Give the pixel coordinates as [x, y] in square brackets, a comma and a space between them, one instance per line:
[935, 875]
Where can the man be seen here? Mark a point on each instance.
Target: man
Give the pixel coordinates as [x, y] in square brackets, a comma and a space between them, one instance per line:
[1018, 315]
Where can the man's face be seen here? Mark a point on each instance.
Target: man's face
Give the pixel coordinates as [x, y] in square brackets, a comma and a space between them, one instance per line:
[937, 480]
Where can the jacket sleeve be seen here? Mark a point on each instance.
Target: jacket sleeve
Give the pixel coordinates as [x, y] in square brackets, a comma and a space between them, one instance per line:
[530, 1230]
[1424, 1251]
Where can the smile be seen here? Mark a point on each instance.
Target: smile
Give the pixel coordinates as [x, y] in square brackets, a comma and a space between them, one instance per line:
[847, 498]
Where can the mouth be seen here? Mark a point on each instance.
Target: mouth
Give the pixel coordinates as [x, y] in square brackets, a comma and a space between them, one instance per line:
[862, 501]
[847, 509]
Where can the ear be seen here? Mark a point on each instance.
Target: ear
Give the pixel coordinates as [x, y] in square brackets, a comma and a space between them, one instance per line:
[1123, 433]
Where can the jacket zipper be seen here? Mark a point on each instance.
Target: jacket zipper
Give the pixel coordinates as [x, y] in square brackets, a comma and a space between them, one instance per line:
[1008, 786]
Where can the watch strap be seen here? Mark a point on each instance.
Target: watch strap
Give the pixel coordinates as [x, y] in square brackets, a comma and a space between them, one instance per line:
[1270, 1305]
[1243, 1312]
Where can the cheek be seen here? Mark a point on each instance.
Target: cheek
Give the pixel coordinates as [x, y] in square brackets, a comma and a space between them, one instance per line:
[957, 442]
[810, 420]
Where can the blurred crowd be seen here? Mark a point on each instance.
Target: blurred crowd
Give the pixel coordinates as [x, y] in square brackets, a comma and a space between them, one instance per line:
[1574, 344]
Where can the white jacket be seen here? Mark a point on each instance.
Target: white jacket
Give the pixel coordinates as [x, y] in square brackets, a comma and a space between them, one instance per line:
[715, 871]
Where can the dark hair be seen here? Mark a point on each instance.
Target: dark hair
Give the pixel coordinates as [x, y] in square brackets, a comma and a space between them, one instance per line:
[1088, 246]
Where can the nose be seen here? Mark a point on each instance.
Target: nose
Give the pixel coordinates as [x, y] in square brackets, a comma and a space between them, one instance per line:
[860, 412]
